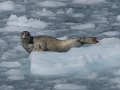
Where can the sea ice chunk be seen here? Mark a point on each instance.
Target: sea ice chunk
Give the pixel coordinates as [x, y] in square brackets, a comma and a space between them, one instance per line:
[14, 72]
[84, 26]
[87, 1]
[69, 87]
[111, 33]
[118, 17]
[52, 4]
[13, 64]
[44, 12]
[24, 22]
[7, 6]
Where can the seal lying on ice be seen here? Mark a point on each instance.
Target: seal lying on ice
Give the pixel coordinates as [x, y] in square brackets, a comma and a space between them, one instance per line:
[48, 43]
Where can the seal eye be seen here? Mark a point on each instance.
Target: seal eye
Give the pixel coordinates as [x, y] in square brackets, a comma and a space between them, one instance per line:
[22, 33]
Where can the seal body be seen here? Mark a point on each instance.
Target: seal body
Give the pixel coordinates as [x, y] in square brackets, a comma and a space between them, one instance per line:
[47, 43]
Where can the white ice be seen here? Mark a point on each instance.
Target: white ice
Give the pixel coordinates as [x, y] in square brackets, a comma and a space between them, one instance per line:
[83, 26]
[69, 87]
[15, 74]
[24, 22]
[7, 6]
[111, 33]
[52, 4]
[91, 58]
[118, 17]
[87, 1]
[44, 12]
[69, 11]
[3, 45]
[78, 15]
[5, 87]
[13, 64]
[10, 5]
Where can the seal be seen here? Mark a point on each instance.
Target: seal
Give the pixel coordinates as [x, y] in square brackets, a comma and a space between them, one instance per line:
[26, 41]
[48, 43]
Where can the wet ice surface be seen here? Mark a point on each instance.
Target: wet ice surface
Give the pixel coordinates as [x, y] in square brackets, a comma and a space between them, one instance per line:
[91, 67]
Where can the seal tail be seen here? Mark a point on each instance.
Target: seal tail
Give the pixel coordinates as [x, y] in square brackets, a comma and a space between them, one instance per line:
[88, 40]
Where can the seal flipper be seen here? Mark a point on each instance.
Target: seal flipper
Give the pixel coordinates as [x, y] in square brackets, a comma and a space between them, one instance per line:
[88, 40]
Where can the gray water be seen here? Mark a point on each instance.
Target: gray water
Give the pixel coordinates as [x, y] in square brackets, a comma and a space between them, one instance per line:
[18, 77]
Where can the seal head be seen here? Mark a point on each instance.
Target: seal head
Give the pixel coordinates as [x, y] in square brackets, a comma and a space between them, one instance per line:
[26, 41]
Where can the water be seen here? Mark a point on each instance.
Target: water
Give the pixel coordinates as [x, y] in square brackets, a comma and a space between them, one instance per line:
[61, 18]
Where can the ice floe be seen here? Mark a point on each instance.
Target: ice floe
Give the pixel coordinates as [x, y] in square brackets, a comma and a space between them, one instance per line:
[69, 87]
[7, 6]
[5, 87]
[118, 17]
[24, 22]
[83, 26]
[77, 59]
[52, 4]
[69, 11]
[13, 64]
[15, 74]
[10, 5]
[16, 77]
[111, 33]
[3, 44]
[44, 12]
[87, 1]
[78, 15]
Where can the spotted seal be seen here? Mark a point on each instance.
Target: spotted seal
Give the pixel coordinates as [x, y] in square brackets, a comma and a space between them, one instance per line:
[48, 43]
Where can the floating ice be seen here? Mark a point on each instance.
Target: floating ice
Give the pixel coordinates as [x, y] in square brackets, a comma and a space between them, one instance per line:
[69, 11]
[16, 77]
[7, 6]
[10, 5]
[69, 87]
[118, 17]
[52, 4]
[77, 59]
[117, 73]
[44, 12]
[84, 26]
[3, 44]
[5, 87]
[15, 74]
[13, 64]
[24, 22]
[78, 15]
[115, 80]
[60, 11]
[111, 33]
[87, 1]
